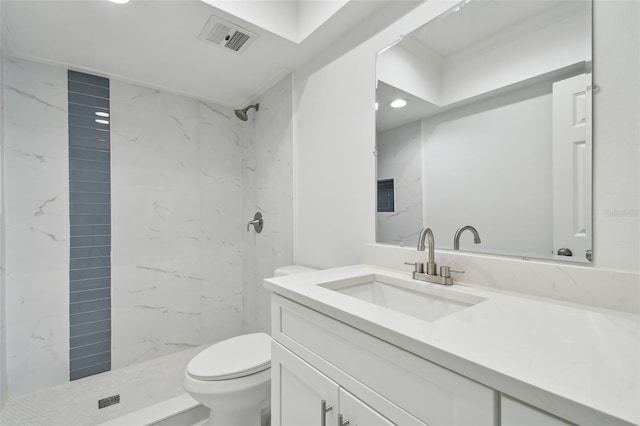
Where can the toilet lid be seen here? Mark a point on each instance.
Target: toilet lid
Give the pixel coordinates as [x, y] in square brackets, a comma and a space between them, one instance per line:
[232, 358]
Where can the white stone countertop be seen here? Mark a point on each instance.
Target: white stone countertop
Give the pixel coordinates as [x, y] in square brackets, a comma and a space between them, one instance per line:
[577, 362]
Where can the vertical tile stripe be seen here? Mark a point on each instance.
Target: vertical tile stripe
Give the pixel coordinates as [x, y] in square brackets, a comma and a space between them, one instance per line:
[90, 230]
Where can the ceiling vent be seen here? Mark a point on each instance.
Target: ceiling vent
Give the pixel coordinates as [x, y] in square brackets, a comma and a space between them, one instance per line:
[227, 35]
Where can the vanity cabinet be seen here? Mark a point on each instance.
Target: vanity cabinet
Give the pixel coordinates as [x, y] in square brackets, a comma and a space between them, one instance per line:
[317, 358]
[304, 396]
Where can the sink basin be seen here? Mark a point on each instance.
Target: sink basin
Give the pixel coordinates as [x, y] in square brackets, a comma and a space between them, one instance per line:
[422, 301]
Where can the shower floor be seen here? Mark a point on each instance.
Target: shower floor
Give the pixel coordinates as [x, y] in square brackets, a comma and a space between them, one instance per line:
[76, 403]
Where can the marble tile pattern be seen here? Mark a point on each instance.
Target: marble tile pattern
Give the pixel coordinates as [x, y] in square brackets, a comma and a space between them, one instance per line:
[396, 158]
[176, 223]
[267, 172]
[36, 196]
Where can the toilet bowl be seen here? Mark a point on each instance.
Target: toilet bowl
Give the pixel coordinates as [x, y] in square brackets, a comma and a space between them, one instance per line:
[233, 377]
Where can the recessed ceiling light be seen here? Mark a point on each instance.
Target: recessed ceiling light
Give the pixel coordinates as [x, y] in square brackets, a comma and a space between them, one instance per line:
[376, 106]
[102, 121]
[119, 1]
[398, 103]
[102, 114]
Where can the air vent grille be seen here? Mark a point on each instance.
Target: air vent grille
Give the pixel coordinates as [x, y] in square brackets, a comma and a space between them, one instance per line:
[237, 41]
[226, 35]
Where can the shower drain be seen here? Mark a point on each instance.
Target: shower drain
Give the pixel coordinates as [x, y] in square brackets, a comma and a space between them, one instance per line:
[105, 402]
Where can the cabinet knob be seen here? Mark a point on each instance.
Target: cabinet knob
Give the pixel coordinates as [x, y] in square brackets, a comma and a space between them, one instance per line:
[324, 409]
[341, 421]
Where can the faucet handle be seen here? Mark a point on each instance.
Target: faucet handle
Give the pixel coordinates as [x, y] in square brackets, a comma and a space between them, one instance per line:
[445, 271]
[417, 266]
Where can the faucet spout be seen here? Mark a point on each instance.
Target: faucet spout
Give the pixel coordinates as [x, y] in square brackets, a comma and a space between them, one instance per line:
[456, 238]
[428, 234]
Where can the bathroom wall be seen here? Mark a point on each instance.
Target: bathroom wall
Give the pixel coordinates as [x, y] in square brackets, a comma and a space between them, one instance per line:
[177, 224]
[466, 183]
[3, 345]
[454, 153]
[335, 137]
[267, 172]
[37, 225]
[397, 158]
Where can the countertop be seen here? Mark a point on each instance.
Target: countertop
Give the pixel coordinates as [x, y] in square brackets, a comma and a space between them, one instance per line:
[579, 363]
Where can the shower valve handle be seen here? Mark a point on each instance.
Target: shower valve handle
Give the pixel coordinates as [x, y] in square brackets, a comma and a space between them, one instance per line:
[257, 222]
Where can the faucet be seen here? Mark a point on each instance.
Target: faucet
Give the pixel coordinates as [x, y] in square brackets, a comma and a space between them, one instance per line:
[456, 238]
[431, 264]
[431, 274]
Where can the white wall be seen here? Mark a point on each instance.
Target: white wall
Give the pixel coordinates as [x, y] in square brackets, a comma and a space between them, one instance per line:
[334, 161]
[334, 139]
[616, 174]
[398, 157]
[267, 169]
[3, 345]
[505, 196]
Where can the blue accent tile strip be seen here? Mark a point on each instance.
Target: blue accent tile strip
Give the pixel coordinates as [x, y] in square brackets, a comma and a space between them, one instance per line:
[90, 225]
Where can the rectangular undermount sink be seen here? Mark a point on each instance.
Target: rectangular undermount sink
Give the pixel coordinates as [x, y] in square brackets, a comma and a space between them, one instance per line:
[410, 297]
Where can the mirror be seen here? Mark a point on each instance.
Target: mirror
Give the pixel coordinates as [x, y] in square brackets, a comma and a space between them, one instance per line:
[495, 133]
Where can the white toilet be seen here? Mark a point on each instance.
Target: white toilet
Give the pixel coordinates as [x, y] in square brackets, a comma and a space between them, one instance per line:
[233, 377]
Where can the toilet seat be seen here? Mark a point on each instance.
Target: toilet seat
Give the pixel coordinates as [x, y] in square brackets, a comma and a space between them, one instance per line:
[233, 358]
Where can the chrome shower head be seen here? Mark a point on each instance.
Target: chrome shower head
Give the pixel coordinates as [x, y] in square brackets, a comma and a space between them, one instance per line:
[242, 113]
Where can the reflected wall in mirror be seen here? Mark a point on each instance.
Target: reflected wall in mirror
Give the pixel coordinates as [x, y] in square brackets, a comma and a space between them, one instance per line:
[496, 131]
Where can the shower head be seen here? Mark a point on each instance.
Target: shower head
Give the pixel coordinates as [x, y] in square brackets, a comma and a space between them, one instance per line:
[242, 113]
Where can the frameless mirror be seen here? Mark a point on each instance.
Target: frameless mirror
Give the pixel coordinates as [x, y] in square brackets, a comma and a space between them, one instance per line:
[495, 131]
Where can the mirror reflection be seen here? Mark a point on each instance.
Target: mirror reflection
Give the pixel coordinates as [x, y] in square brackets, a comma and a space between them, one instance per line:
[484, 120]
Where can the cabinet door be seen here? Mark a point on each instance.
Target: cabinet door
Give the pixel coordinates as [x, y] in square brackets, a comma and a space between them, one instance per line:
[297, 392]
[357, 413]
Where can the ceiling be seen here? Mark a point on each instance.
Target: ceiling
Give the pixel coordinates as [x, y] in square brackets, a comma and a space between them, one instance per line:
[388, 117]
[155, 42]
[471, 22]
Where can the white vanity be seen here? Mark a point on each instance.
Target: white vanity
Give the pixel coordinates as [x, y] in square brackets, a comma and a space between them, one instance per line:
[371, 346]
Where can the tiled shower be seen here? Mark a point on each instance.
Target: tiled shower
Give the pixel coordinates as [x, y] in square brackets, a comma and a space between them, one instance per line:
[186, 176]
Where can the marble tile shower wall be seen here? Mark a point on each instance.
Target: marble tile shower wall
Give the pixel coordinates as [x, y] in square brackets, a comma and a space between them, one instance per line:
[397, 159]
[37, 225]
[268, 187]
[177, 224]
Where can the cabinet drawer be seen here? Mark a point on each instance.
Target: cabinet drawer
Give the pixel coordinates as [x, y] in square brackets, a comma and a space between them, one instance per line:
[432, 394]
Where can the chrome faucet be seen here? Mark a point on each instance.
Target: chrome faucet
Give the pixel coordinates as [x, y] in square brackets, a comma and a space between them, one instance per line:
[431, 275]
[456, 238]
[431, 264]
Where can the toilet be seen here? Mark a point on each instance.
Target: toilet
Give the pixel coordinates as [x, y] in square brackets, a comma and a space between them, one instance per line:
[233, 377]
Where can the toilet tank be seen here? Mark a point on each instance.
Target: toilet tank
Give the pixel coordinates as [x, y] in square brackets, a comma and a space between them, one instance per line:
[292, 270]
